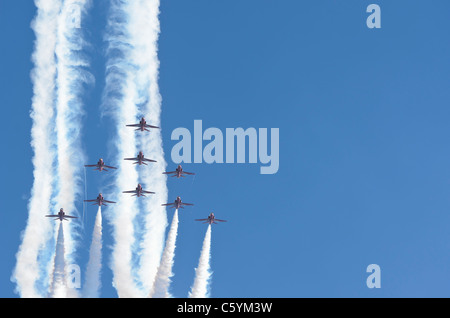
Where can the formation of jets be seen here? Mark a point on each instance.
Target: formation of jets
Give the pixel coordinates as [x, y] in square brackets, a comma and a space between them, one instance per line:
[139, 191]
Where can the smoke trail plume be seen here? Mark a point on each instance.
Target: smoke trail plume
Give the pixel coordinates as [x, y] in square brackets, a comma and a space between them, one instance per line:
[72, 75]
[39, 230]
[58, 64]
[94, 267]
[200, 288]
[58, 287]
[119, 101]
[145, 14]
[131, 92]
[162, 281]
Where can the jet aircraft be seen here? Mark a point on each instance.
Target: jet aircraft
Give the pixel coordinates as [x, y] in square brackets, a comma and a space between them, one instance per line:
[100, 200]
[61, 215]
[178, 172]
[139, 191]
[177, 204]
[211, 219]
[142, 125]
[140, 159]
[100, 166]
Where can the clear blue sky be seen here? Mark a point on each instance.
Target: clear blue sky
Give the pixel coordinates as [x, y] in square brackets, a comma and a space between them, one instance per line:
[363, 115]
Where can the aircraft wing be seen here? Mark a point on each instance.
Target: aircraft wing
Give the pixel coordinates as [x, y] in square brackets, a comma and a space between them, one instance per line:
[110, 167]
[190, 173]
[134, 125]
[90, 200]
[219, 220]
[131, 191]
[90, 165]
[150, 126]
[148, 192]
[150, 160]
[130, 159]
[169, 172]
[108, 201]
[201, 219]
[70, 217]
[167, 204]
[52, 216]
[186, 203]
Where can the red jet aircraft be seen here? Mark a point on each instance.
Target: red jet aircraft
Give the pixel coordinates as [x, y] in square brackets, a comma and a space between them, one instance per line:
[142, 125]
[100, 200]
[100, 166]
[211, 219]
[139, 191]
[177, 204]
[178, 172]
[140, 159]
[61, 215]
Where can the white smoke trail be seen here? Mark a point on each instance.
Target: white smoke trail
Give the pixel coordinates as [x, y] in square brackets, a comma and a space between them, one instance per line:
[200, 288]
[162, 281]
[72, 75]
[58, 288]
[131, 92]
[119, 101]
[94, 267]
[39, 230]
[123, 214]
[145, 16]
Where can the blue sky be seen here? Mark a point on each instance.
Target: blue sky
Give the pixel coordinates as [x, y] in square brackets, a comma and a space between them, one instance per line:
[364, 173]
